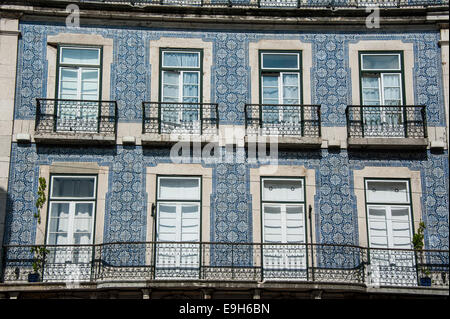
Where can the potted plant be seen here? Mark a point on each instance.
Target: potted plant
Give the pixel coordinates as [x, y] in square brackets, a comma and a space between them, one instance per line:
[38, 252]
[418, 244]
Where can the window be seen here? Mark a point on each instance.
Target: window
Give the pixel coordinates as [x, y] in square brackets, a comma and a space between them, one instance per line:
[381, 79]
[180, 89]
[79, 73]
[178, 220]
[389, 213]
[71, 222]
[389, 223]
[280, 82]
[283, 214]
[381, 85]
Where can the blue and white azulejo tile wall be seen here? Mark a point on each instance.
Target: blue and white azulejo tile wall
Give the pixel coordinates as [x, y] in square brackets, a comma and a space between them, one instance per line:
[231, 202]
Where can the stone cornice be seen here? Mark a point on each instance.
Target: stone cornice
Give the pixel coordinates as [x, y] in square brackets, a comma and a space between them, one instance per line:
[148, 15]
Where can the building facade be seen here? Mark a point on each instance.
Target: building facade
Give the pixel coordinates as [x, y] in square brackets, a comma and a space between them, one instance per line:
[209, 149]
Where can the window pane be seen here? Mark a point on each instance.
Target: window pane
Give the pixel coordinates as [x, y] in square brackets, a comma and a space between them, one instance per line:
[280, 61]
[73, 187]
[80, 56]
[295, 231]
[68, 87]
[190, 222]
[83, 217]
[283, 190]
[381, 62]
[179, 188]
[377, 227]
[171, 86]
[387, 192]
[272, 224]
[290, 89]
[401, 227]
[190, 87]
[57, 239]
[181, 59]
[167, 226]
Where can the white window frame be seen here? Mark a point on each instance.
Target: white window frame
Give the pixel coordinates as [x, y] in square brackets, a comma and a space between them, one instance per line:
[284, 260]
[79, 68]
[381, 76]
[70, 260]
[72, 201]
[388, 207]
[283, 207]
[280, 53]
[178, 254]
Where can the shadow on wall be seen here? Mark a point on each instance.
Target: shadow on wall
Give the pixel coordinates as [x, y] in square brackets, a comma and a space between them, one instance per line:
[4, 201]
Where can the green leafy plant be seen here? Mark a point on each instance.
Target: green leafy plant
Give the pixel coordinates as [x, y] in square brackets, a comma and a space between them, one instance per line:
[39, 251]
[418, 244]
[41, 199]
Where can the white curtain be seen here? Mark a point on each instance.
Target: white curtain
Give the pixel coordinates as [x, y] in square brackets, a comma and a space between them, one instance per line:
[181, 59]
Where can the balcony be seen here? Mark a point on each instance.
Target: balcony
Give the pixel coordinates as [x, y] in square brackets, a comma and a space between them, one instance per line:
[167, 122]
[230, 262]
[75, 121]
[293, 125]
[280, 3]
[374, 126]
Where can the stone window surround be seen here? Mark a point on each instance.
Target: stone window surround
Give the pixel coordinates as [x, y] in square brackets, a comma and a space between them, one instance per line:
[81, 40]
[281, 171]
[172, 169]
[385, 173]
[76, 168]
[297, 45]
[181, 43]
[382, 45]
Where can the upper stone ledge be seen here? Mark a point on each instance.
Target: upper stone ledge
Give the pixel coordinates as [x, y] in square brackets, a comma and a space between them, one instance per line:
[282, 8]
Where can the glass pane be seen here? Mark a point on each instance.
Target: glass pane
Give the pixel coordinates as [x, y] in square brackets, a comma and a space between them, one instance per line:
[371, 90]
[190, 87]
[82, 239]
[73, 187]
[181, 59]
[59, 210]
[179, 188]
[272, 224]
[57, 239]
[387, 192]
[280, 61]
[80, 56]
[270, 90]
[83, 217]
[295, 230]
[401, 227]
[381, 62]
[283, 190]
[167, 226]
[171, 86]
[68, 87]
[377, 227]
[190, 223]
[290, 89]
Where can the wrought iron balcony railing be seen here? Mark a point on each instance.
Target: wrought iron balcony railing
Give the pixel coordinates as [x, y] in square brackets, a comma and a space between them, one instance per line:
[180, 118]
[402, 121]
[76, 116]
[294, 262]
[276, 3]
[283, 119]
